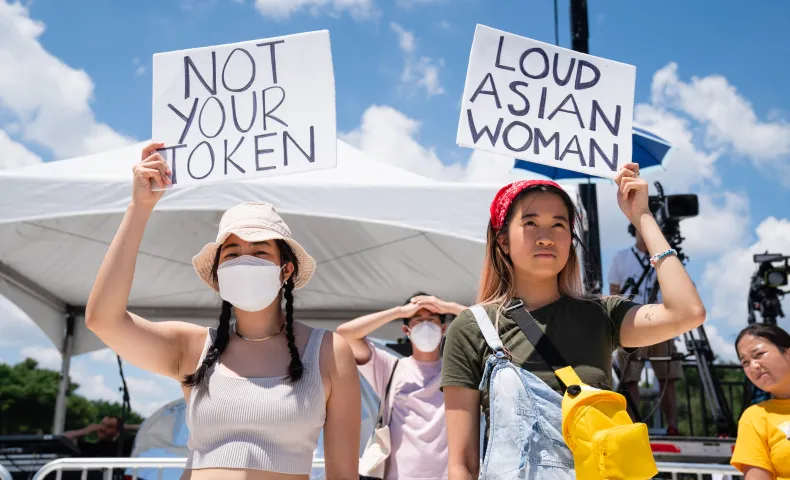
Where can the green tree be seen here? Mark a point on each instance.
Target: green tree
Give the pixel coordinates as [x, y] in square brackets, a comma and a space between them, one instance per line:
[27, 401]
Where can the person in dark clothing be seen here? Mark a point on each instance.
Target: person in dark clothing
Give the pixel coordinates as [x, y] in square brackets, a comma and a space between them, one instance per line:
[108, 433]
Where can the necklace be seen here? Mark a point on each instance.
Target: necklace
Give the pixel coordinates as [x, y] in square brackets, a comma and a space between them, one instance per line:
[258, 339]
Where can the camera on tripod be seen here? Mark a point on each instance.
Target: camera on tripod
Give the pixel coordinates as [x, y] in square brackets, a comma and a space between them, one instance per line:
[764, 291]
[668, 211]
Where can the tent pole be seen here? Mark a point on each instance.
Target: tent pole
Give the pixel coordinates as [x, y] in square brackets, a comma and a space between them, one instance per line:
[59, 421]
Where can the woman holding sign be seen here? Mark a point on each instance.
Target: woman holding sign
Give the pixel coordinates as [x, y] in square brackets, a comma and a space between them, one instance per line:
[259, 390]
[531, 283]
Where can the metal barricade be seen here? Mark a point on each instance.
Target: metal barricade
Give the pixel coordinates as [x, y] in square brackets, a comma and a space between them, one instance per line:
[697, 468]
[106, 465]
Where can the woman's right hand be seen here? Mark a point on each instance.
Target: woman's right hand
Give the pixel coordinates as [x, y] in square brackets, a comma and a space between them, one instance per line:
[152, 172]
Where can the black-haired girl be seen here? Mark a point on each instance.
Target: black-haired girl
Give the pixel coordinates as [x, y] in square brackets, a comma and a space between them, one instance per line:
[762, 448]
[259, 389]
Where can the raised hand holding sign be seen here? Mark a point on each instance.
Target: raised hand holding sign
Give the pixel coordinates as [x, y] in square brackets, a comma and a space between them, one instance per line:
[549, 105]
[246, 110]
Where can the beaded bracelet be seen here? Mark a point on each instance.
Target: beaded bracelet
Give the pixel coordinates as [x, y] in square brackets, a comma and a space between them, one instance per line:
[655, 258]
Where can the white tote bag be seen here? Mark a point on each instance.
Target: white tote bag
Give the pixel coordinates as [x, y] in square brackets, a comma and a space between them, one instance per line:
[374, 459]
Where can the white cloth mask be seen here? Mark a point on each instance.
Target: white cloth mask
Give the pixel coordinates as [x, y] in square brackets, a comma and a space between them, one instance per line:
[249, 283]
[426, 336]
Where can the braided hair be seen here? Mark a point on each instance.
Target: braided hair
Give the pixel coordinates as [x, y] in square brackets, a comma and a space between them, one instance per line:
[295, 368]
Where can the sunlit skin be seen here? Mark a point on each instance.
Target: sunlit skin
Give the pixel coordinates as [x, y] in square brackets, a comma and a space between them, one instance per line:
[765, 365]
[539, 243]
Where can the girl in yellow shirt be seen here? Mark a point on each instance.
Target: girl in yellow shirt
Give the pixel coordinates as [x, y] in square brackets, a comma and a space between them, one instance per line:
[762, 449]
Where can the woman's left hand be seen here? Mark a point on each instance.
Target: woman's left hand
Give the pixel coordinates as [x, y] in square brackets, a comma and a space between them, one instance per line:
[632, 193]
[436, 305]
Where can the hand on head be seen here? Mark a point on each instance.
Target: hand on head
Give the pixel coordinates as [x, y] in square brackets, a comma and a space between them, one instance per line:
[432, 304]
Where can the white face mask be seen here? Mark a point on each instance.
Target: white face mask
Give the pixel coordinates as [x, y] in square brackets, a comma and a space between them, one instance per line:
[426, 336]
[249, 283]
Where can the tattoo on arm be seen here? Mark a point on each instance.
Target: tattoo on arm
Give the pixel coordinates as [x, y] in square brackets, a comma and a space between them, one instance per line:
[649, 316]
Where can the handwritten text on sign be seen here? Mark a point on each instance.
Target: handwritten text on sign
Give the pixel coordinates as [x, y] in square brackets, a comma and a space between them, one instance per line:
[545, 104]
[245, 110]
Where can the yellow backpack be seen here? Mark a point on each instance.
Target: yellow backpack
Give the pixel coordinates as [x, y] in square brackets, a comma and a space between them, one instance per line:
[605, 443]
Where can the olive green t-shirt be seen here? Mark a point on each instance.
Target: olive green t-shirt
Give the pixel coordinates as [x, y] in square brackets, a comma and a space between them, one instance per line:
[585, 331]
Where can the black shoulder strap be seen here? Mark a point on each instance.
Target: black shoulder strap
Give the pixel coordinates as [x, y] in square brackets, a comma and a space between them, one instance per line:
[385, 398]
[543, 346]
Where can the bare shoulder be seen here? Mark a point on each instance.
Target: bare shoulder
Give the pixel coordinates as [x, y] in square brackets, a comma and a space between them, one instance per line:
[336, 354]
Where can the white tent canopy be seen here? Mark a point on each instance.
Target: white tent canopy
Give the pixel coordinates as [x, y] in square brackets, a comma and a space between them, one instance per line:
[378, 234]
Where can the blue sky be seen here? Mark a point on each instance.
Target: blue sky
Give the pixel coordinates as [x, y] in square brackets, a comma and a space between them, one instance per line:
[711, 78]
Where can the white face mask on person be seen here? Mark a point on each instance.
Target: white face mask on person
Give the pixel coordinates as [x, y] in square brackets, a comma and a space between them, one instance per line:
[249, 283]
[426, 336]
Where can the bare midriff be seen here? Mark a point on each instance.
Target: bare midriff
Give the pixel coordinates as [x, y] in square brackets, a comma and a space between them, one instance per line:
[238, 474]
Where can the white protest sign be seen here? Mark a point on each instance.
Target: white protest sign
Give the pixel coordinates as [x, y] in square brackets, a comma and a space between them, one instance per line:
[549, 105]
[246, 110]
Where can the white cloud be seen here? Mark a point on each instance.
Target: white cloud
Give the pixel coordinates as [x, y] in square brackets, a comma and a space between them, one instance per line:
[405, 38]
[425, 74]
[283, 9]
[93, 386]
[728, 118]
[139, 68]
[47, 357]
[444, 24]
[722, 224]
[390, 136]
[13, 154]
[686, 165]
[729, 276]
[50, 99]
[419, 72]
[105, 355]
[143, 386]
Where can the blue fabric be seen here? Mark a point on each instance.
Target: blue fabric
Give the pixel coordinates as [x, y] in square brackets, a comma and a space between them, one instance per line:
[647, 150]
[525, 420]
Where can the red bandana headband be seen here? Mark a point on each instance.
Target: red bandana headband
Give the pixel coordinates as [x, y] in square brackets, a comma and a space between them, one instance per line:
[505, 196]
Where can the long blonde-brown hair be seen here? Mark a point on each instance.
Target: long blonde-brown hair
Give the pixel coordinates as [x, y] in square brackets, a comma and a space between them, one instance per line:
[497, 282]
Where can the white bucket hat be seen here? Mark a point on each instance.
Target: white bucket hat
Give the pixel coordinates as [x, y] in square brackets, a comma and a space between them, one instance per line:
[252, 222]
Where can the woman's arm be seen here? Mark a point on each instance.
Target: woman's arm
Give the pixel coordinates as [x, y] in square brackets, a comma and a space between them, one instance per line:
[462, 407]
[682, 309]
[355, 331]
[757, 473]
[342, 427]
[156, 347]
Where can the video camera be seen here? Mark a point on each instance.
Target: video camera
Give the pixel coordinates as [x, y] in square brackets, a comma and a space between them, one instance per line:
[764, 291]
[668, 211]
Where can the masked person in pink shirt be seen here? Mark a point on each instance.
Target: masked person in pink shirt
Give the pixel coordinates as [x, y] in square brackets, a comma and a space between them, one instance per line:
[417, 422]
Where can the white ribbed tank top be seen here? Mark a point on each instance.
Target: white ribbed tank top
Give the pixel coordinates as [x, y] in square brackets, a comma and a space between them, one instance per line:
[257, 423]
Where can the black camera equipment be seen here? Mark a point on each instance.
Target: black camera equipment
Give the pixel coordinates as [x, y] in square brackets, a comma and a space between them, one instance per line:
[764, 291]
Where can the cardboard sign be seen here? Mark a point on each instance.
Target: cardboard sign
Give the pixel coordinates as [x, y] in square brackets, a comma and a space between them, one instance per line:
[549, 105]
[245, 110]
